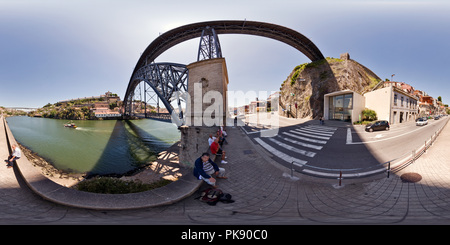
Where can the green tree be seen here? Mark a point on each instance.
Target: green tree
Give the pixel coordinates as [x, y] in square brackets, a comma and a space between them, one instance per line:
[86, 112]
[369, 115]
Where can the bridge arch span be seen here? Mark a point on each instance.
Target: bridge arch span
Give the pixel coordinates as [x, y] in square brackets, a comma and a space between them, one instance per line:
[191, 31]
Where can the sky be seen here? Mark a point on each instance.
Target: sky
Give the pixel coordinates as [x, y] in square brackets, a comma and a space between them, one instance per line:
[53, 50]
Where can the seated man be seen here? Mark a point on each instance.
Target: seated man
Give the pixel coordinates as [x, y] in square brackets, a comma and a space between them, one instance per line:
[14, 156]
[224, 132]
[205, 167]
[211, 139]
[219, 136]
[216, 150]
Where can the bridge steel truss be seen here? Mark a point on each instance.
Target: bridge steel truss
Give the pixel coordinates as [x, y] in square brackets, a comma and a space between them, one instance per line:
[208, 32]
[164, 78]
[209, 47]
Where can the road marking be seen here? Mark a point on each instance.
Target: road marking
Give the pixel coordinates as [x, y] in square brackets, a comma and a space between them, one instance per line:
[291, 148]
[349, 136]
[336, 175]
[295, 131]
[310, 131]
[316, 147]
[285, 157]
[255, 132]
[305, 139]
[322, 127]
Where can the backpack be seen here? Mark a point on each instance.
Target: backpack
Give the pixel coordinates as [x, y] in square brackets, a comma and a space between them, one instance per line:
[226, 198]
[211, 196]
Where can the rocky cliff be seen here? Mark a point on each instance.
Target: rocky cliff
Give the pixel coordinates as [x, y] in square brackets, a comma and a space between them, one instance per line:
[308, 83]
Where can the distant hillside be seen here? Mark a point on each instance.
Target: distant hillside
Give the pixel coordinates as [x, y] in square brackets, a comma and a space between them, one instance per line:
[81, 108]
[308, 83]
[11, 112]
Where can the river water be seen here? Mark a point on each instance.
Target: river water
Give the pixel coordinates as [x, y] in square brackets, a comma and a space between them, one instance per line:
[97, 147]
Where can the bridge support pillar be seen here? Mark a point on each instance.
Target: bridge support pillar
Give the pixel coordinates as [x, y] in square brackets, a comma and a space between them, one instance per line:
[206, 108]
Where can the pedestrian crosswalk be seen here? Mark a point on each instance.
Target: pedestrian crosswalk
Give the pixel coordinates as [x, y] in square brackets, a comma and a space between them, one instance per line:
[297, 146]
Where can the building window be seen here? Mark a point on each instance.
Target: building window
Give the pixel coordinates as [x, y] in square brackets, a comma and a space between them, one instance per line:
[348, 101]
[341, 107]
[395, 99]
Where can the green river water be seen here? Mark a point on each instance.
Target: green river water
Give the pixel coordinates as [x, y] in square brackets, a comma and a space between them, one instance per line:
[97, 147]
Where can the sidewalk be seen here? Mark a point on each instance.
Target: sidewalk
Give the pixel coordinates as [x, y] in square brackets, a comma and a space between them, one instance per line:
[8, 180]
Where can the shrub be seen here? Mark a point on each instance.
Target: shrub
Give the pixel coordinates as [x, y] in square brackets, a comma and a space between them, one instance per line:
[294, 77]
[110, 185]
[362, 122]
[369, 115]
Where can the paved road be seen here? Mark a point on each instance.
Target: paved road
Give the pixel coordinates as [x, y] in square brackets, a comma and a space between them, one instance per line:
[264, 193]
[326, 150]
[401, 139]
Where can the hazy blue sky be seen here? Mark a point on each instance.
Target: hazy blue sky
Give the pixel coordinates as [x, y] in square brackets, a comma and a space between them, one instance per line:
[52, 50]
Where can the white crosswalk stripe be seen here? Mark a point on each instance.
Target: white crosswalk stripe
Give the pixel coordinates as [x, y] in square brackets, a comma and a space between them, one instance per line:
[316, 131]
[280, 154]
[299, 144]
[322, 128]
[311, 131]
[292, 148]
[316, 147]
[305, 138]
[296, 131]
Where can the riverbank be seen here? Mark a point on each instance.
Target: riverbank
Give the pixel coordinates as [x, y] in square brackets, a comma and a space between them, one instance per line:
[165, 167]
[48, 170]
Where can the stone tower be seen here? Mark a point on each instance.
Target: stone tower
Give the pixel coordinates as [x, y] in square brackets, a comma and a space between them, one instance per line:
[206, 108]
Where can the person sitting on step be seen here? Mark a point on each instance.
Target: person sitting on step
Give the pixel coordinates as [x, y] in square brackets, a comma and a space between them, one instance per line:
[204, 168]
[217, 150]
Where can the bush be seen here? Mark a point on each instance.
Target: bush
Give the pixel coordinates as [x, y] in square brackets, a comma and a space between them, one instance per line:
[362, 122]
[369, 115]
[294, 77]
[110, 185]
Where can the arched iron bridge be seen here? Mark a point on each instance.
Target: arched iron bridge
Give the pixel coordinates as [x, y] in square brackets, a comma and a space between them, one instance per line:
[167, 78]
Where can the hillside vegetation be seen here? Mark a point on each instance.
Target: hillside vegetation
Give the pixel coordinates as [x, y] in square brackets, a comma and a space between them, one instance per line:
[308, 83]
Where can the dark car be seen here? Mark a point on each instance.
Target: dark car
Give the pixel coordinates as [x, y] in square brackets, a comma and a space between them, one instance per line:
[378, 125]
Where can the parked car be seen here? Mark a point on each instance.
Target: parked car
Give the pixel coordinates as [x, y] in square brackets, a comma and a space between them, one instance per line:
[422, 121]
[378, 125]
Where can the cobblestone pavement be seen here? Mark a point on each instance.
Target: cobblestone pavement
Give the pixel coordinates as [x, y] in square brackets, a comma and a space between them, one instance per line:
[265, 193]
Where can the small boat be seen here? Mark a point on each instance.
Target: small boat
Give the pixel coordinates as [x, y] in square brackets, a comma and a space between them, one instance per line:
[70, 125]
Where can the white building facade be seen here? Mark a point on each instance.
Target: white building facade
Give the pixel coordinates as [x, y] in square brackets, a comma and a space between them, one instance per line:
[345, 105]
[390, 103]
[393, 104]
